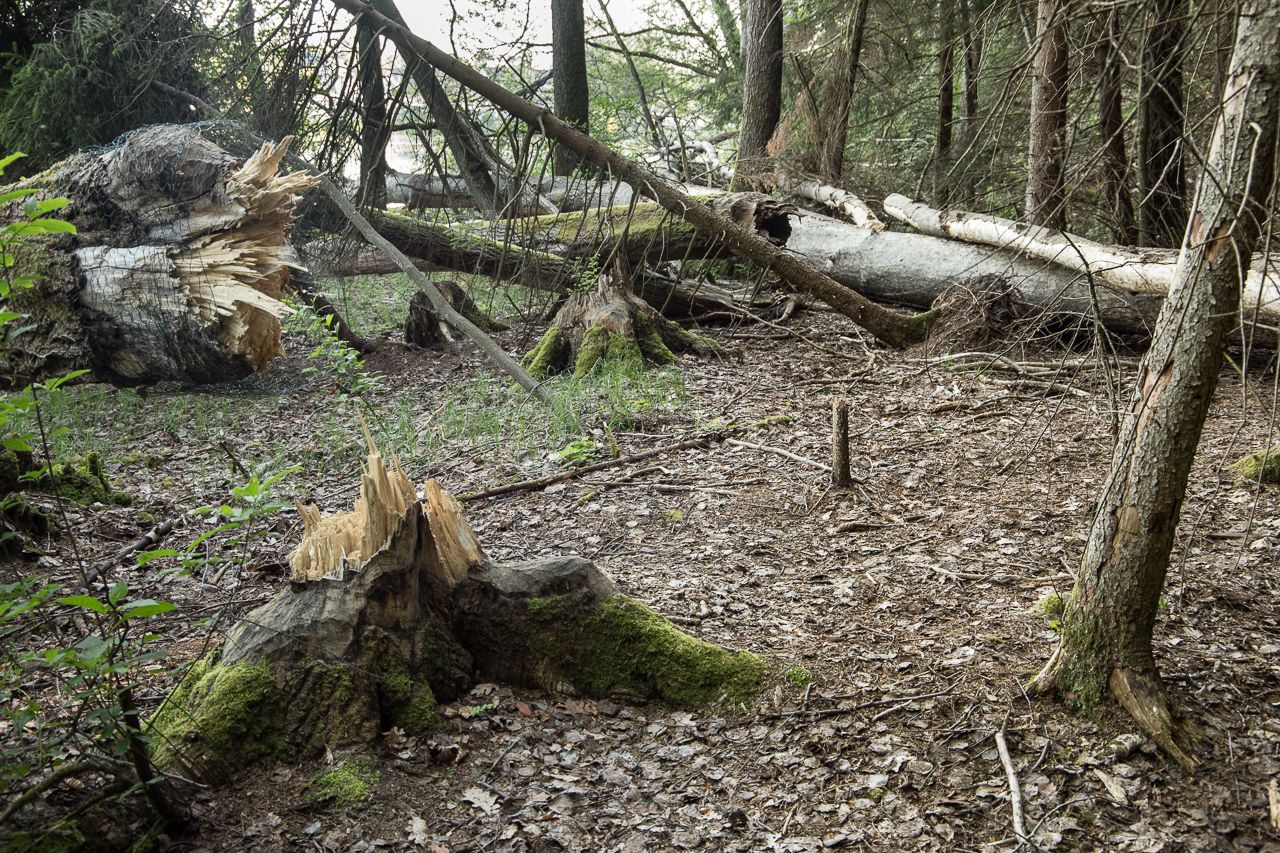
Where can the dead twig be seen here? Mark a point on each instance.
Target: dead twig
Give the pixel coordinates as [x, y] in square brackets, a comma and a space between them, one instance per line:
[787, 453]
[1015, 791]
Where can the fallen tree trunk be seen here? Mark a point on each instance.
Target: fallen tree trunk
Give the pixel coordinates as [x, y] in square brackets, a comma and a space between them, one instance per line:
[1150, 271]
[887, 326]
[833, 197]
[914, 269]
[393, 608]
[176, 272]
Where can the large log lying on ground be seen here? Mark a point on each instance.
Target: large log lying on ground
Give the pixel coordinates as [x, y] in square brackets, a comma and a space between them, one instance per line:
[1147, 271]
[177, 269]
[914, 269]
[393, 608]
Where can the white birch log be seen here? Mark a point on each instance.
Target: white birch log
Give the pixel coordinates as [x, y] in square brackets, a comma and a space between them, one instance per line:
[833, 197]
[1150, 271]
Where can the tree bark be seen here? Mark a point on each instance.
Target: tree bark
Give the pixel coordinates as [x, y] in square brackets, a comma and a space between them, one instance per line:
[374, 128]
[1106, 645]
[1162, 213]
[393, 608]
[569, 77]
[914, 270]
[761, 88]
[1049, 117]
[833, 197]
[177, 269]
[1115, 158]
[946, 103]
[969, 78]
[887, 326]
[1153, 271]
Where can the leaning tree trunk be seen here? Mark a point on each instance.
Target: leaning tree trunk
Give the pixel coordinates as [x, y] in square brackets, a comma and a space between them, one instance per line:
[1108, 624]
[393, 608]
[177, 269]
[890, 328]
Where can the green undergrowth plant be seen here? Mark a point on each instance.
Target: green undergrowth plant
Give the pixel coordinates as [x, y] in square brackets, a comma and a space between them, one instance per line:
[330, 355]
[245, 518]
[491, 413]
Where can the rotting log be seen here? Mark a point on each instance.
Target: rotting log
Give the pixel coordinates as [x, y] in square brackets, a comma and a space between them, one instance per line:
[176, 272]
[393, 608]
[914, 269]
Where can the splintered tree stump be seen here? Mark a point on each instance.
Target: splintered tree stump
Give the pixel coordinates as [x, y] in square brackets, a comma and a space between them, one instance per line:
[611, 324]
[393, 608]
[424, 327]
[175, 273]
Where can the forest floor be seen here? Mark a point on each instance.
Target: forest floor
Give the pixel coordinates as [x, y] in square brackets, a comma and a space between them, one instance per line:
[899, 616]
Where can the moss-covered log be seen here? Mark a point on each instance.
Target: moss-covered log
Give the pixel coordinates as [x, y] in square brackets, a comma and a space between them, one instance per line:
[610, 323]
[176, 270]
[393, 608]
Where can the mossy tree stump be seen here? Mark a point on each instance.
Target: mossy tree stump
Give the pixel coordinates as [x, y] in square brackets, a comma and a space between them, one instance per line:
[393, 608]
[610, 323]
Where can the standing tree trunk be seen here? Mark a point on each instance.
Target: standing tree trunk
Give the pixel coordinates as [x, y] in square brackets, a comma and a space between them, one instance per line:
[569, 77]
[373, 124]
[1115, 159]
[1049, 117]
[762, 88]
[1162, 213]
[844, 75]
[946, 103]
[1108, 624]
[971, 36]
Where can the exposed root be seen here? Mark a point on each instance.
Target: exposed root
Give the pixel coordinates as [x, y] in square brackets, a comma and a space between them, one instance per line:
[1046, 681]
[1144, 696]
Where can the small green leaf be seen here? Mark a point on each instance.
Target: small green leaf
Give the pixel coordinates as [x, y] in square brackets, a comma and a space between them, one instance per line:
[14, 195]
[147, 556]
[92, 648]
[144, 607]
[8, 161]
[85, 601]
[17, 443]
[118, 591]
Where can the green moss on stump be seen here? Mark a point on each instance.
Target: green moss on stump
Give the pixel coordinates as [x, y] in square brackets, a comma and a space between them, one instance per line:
[624, 647]
[599, 344]
[344, 788]
[1263, 466]
[547, 356]
[219, 717]
[405, 700]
